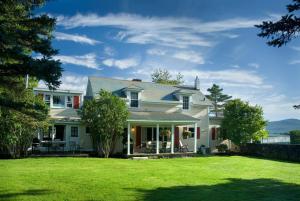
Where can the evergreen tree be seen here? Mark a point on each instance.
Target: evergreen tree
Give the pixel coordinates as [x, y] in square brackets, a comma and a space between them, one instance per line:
[284, 30]
[218, 98]
[25, 48]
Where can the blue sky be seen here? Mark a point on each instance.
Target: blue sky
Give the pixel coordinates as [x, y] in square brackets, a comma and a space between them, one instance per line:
[213, 39]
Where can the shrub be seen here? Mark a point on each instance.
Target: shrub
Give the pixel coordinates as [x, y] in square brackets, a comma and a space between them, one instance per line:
[295, 136]
[222, 148]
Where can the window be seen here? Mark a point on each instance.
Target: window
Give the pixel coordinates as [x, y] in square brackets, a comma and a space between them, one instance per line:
[47, 99]
[186, 102]
[149, 134]
[87, 130]
[134, 102]
[69, 101]
[192, 130]
[74, 131]
[59, 101]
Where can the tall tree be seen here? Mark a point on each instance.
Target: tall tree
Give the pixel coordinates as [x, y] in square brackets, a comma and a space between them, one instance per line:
[19, 126]
[106, 117]
[218, 98]
[163, 76]
[25, 47]
[284, 30]
[242, 122]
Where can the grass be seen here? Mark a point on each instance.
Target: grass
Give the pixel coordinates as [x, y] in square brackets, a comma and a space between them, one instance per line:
[207, 179]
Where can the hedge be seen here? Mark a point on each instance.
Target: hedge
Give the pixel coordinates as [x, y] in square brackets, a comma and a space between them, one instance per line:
[295, 136]
[288, 152]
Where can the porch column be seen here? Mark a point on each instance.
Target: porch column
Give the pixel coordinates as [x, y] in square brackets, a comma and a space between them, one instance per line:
[195, 138]
[157, 138]
[172, 139]
[128, 139]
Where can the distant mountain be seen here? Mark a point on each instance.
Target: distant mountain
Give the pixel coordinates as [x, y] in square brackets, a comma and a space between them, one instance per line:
[283, 126]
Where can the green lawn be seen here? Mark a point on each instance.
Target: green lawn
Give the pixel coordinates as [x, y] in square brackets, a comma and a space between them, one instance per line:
[204, 179]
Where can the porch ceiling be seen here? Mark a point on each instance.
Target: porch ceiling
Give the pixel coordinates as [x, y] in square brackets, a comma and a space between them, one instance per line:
[161, 118]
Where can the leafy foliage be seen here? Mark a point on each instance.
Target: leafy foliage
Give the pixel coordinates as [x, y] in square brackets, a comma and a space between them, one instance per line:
[242, 122]
[218, 98]
[106, 117]
[295, 136]
[163, 76]
[222, 148]
[25, 48]
[283, 30]
[19, 126]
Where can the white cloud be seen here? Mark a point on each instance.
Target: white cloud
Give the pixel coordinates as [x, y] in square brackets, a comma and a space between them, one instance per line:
[71, 82]
[121, 63]
[190, 56]
[235, 66]
[295, 62]
[75, 38]
[155, 51]
[109, 51]
[166, 31]
[254, 65]
[87, 60]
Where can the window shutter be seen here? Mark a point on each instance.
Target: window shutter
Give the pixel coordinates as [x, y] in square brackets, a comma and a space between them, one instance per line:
[213, 133]
[76, 102]
[176, 137]
[138, 136]
[198, 132]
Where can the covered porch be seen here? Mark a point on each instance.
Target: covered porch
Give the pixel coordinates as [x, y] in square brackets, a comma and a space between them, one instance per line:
[158, 133]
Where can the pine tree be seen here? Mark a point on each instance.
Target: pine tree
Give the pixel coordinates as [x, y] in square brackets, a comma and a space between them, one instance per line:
[218, 98]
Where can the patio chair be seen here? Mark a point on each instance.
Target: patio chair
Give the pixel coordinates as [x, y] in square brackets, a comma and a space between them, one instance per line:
[182, 147]
[73, 146]
[149, 147]
[167, 147]
[36, 143]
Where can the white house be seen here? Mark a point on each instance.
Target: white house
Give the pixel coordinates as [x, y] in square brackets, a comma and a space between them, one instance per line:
[153, 107]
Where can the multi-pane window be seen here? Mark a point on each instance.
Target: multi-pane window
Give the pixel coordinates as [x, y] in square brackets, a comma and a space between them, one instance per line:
[69, 101]
[134, 102]
[74, 131]
[186, 102]
[59, 101]
[47, 99]
[192, 130]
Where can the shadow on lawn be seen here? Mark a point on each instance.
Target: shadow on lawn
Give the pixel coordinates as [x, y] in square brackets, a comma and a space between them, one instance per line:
[35, 192]
[230, 190]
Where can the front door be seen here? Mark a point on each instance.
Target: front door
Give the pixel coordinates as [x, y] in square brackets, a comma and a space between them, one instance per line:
[138, 137]
[60, 132]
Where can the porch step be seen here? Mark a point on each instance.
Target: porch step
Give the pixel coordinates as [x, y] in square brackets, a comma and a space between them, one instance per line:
[140, 158]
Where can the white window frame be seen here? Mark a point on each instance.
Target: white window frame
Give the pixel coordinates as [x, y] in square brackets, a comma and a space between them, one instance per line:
[47, 102]
[183, 102]
[69, 102]
[192, 132]
[74, 127]
[131, 99]
[59, 106]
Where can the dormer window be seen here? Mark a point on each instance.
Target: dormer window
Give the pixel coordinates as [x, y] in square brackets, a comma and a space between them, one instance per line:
[185, 102]
[134, 101]
[58, 101]
[47, 99]
[69, 101]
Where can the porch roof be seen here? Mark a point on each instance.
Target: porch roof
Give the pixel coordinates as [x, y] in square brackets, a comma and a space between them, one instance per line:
[160, 117]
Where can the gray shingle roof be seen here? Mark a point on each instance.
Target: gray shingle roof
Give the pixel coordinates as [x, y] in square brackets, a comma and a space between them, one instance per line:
[137, 116]
[152, 92]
